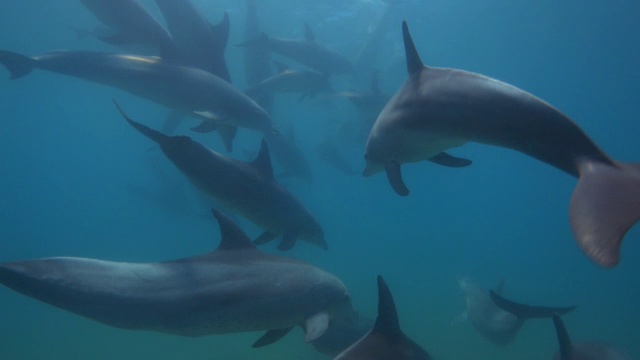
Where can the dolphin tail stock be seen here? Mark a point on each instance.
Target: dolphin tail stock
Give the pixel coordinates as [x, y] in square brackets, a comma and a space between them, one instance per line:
[604, 206]
[564, 341]
[17, 64]
[154, 135]
[524, 312]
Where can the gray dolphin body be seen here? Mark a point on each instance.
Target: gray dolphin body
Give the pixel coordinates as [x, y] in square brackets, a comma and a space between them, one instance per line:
[585, 350]
[199, 43]
[289, 155]
[233, 289]
[497, 324]
[437, 109]
[181, 88]
[307, 52]
[307, 83]
[343, 331]
[130, 22]
[248, 189]
[257, 58]
[385, 340]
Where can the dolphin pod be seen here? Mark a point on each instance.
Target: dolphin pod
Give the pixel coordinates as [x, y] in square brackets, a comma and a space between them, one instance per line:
[437, 109]
[236, 288]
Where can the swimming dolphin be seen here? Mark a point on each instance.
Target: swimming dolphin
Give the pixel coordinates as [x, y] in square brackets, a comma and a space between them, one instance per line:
[289, 155]
[307, 52]
[437, 109]
[496, 319]
[236, 288]
[583, 351]
[385, 340]
[180, 88]
[307, 83]
[130, 23]
[248, 189]
[199, 43]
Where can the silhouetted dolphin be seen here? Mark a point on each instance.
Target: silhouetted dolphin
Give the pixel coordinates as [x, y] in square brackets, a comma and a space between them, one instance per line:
[130, 23]
[496, 319]
[307, 83]
[583, 351]
[289, 155]
[307, 52]
[199, 43]
[236, 288]
[437, 109]
[181, 88]
[386, 340]
[248, 189]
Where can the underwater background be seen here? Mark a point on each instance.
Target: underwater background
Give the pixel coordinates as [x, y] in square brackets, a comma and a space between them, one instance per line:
[77, 180]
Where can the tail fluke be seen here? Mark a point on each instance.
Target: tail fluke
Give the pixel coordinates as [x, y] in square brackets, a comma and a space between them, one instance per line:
[604, 206]
[524, 312]
[18, 65]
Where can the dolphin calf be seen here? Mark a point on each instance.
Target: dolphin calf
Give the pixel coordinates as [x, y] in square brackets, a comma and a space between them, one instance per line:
[180, 88]
[436, 109]
[235, 288]
[583, 351]
[199, 43]
[248, 189]
[496, 319]
[130, 23]
[385, 340]
[307, 52]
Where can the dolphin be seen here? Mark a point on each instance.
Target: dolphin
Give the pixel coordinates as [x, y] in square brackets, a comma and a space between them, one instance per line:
[385, 340]
[257, 58]
[307, 52]
[436, 109]
[308, 83]
[235, 288]
[199, 43]
[583, 351]
[341, 333]
[248, 189]
[180, 88]
[289, 155]
[328, 151]
[130, 23]
[496, 319]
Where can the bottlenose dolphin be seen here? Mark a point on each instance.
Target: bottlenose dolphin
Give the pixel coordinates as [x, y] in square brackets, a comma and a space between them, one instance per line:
[130, 23]
[437, 109]
[583, 351]
[248, 189]
[307, 52]
[385, 340]
[498, 320]
[307, 83]
[199, 43]
[236, 288]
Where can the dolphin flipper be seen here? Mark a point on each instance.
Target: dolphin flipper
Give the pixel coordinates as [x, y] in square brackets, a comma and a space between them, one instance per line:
[445, 159]
[604, 205]
[17, 64]
[288, 242]
[394, 175]
[270, 337]
[566, 348]
[523, 312]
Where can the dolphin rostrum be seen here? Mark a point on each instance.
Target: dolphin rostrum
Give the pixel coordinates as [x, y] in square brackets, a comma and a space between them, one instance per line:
[583, 351]
[180, 88]
[436, 109]
[385, 340]
[248, 189]
[235, 288]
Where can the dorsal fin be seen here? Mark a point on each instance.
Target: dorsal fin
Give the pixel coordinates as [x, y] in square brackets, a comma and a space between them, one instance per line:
[263, 161]
[564, 341]
[387, 321]
[308, 34]
[414, 64]
[281, 67]
[232, 236]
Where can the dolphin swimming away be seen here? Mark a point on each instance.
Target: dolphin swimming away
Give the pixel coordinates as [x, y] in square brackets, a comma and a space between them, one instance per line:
[583, 351]
[386, 340]
[236, 288]
[248, 189]
[180, 88]
[437, 109]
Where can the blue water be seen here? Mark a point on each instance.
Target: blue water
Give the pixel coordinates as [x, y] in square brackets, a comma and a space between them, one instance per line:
[68, 160]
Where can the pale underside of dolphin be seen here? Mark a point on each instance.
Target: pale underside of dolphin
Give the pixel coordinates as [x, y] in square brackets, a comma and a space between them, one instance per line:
[437, 109]
[385, 341]
[236, 288]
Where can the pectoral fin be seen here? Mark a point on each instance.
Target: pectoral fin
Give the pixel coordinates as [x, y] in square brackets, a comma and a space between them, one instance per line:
[205, 127]
[394, 175]
[288, 241]
[270, 337]
[315, 326]
[445, 159]
[264, 238]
